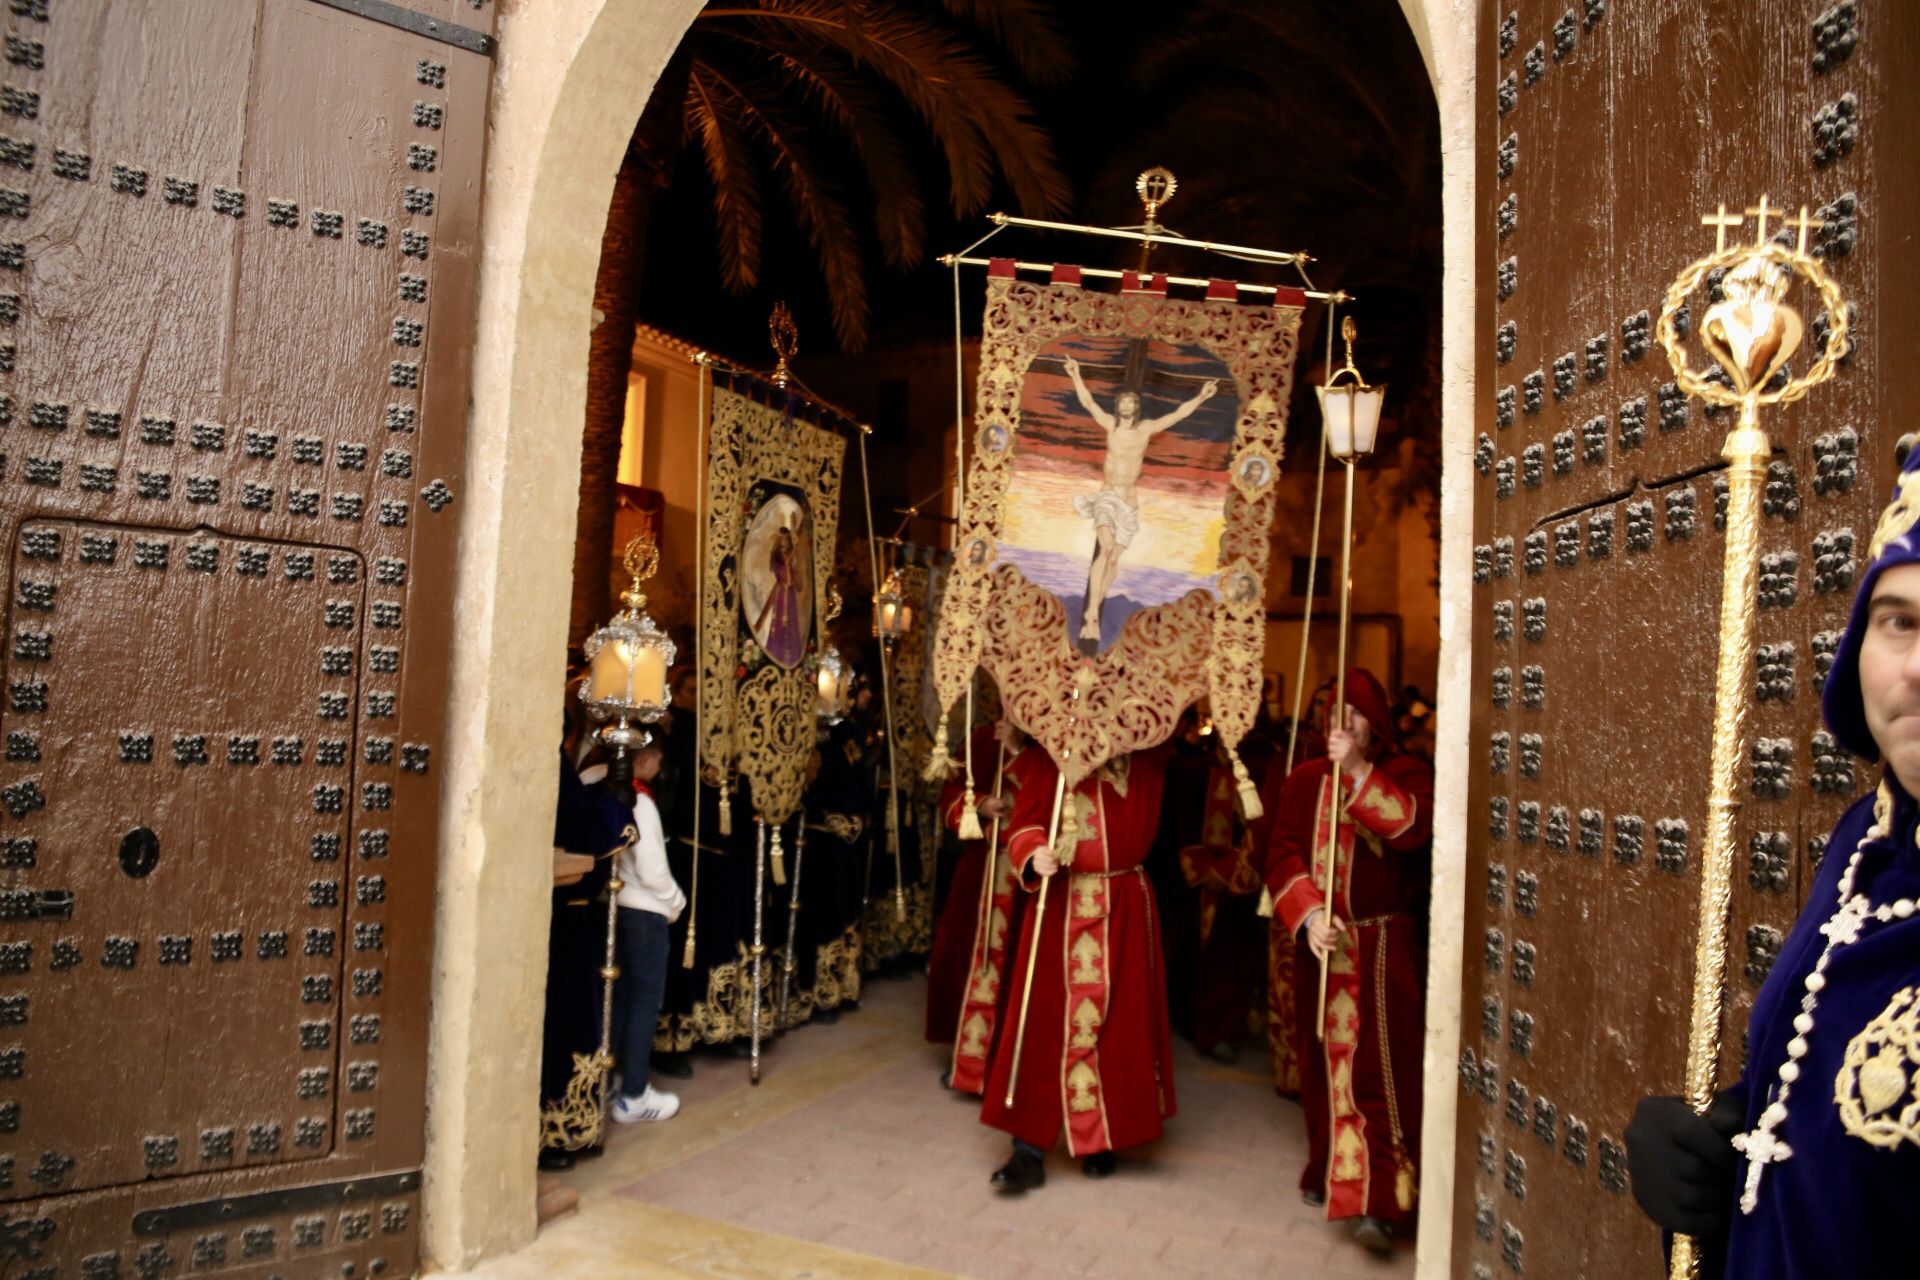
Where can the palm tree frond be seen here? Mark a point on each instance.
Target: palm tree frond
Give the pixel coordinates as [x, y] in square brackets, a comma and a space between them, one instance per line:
[821, 211]
[1029, 30]
[714, 122]
[833, 84]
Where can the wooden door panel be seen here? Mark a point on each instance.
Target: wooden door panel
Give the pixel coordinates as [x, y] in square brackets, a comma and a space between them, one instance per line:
[237, 252]
[187, 674]
[1650, 116]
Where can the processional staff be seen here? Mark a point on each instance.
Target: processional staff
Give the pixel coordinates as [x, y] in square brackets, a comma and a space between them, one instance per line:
[1751, 334]
[1351, 411]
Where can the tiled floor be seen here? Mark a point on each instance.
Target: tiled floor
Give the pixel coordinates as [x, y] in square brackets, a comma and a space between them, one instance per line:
[849, 1160]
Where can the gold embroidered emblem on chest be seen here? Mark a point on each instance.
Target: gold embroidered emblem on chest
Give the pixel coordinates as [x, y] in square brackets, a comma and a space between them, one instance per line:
[1880, 1073]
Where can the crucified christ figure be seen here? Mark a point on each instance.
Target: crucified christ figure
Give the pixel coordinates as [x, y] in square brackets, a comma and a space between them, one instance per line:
[1115, 510]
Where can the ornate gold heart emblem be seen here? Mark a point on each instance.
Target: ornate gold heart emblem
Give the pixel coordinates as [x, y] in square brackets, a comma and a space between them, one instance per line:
[1752, 332]
[1873, 1091]
[1883, 1080]
[1751, 340]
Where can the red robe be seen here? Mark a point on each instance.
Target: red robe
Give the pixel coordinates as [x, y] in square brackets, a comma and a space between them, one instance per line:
[1232, 940]
[1360, 1084]
[1283, 983]
[986, 924]
[953, 934]
[1097, 1059]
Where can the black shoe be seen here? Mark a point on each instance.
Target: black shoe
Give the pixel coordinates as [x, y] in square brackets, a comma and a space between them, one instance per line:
[674, 1066]
[593, 1152]
[1314, 1199]
[1224, 1052]
[827, 1015]
[741, 1048]
[1373, 1235]
[946, 1078]
[553, 1159]
[1100, 1164]
[1022, 1172]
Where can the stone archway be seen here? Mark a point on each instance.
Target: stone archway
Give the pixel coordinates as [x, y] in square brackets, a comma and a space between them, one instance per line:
[571, 78]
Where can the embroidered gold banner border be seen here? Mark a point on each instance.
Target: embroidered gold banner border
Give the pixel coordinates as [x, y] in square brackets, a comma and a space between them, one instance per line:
[1167, 656]
[760, 725]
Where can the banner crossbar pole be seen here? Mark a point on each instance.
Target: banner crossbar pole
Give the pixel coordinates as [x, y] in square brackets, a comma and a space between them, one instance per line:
[1107, 273]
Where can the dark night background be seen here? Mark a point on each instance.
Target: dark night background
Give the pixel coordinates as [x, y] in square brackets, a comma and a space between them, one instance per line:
[1305, 125]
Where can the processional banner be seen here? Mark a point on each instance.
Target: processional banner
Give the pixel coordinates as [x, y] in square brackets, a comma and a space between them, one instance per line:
[773, 509]
[1112, 559]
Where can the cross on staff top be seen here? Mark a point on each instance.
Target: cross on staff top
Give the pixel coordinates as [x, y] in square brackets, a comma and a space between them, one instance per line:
[1721, 221]
[1805, 224]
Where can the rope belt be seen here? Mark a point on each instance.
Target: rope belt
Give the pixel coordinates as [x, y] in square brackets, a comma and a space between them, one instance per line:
[1388, 918]
[1108, 875]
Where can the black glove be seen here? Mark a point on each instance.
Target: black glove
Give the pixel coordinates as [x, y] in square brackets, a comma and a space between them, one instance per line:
[1683, 1164]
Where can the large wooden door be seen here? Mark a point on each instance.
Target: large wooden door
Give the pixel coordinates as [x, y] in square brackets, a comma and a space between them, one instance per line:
[1607, 129]
[237, 243]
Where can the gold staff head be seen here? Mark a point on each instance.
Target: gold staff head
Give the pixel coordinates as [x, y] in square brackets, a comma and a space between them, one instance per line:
[1156, 187]
[642, 561]
[1753, 331]
[784, 336]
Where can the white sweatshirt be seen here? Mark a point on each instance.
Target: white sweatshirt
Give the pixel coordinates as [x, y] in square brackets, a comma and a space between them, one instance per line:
[647, 882]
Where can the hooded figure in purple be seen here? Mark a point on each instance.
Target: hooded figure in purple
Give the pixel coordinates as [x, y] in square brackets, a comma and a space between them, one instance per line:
[1810, 1165]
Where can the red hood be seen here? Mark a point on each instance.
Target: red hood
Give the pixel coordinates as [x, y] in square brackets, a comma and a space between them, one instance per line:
[1366, 695]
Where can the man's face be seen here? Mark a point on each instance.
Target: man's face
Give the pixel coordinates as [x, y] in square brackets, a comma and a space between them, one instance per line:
[646, 765]
[1357, 725]
[1127, 405]
[683, 694]
[1890, 671]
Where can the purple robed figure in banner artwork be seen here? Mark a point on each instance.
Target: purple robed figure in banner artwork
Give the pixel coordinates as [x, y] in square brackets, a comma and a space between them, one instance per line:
[777, 579]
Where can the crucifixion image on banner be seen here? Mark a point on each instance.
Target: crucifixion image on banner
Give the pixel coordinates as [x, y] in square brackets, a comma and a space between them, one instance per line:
[1115, 503]
[1114, 536]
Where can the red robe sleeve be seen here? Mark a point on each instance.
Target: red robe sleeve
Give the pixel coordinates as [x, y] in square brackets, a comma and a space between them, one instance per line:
[1032, 811]
[1396, 803]
[1289, 864]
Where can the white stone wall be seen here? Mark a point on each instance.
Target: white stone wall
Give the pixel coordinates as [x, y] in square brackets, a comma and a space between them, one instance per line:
[569, 84]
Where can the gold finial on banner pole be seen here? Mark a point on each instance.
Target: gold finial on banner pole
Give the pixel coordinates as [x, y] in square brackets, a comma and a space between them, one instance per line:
[1156, 187]
[784, 336]
[1750, 333]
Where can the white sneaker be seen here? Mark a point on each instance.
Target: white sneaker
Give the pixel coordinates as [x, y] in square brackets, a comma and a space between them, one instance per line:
[654, 1104]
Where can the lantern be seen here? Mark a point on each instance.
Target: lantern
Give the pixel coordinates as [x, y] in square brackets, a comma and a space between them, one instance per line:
[627, 663]
[1351, 409]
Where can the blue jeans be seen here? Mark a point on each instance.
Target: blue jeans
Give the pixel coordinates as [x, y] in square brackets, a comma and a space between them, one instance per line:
[642, 942]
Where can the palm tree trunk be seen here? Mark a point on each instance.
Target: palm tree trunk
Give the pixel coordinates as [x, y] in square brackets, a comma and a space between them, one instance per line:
[644, 171]
[609, 361]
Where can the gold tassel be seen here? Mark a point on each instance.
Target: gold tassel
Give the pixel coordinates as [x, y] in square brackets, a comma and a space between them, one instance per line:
[1250, 809]
[1069, 837]
[1266, 904]
[970, 819]
[686, 953]
[1404, 1192]
[939, 764]
[726, 811]
[779, 859]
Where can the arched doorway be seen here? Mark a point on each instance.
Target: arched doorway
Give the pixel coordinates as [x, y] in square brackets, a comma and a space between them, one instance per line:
[570, 83]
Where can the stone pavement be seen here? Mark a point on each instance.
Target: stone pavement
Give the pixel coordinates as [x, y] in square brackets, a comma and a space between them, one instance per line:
[850, 1161]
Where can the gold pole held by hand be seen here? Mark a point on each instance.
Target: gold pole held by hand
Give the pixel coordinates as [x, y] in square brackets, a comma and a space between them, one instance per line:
[1751, 334]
